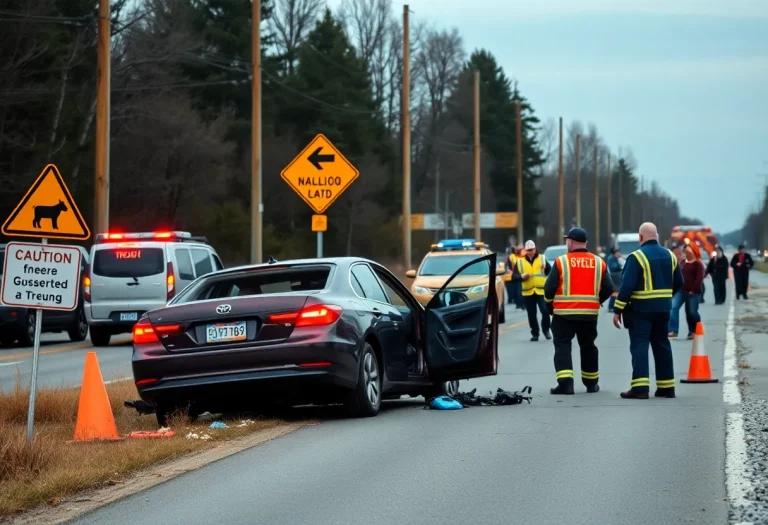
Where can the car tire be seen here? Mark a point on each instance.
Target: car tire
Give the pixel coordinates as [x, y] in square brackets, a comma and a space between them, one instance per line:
[78, 329]
[365, 399]
[446, 388]
[7, 338]
[502, 314]
[100, 336]
[27, 334]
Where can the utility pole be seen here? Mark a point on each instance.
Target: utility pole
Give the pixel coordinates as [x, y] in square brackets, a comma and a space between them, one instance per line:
[477, 155]
[256, 213]
[437, 192]
[519, 135]
[610, 197]
[103, 77]
[405, 127]
[597, 201]
[578, 180]
[620, 174]
[560, 182]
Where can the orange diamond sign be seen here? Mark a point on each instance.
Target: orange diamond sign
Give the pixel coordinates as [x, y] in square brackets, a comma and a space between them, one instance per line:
[319, 174]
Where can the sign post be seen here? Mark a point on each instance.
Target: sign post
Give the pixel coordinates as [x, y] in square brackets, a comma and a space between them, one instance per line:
[43, 276]
[319, 175]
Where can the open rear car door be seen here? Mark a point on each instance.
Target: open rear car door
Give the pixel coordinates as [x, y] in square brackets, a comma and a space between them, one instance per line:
[461, 324]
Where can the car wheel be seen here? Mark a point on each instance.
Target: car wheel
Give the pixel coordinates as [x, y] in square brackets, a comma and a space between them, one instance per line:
[502, 314]
[446, 388]
[365, 399]
[78, 330]
[100, 336]
[27, 335]
[7, 338]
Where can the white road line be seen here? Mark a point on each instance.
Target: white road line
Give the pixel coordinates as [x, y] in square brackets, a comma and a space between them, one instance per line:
[9, 364]
[118, 380]
[736, 483]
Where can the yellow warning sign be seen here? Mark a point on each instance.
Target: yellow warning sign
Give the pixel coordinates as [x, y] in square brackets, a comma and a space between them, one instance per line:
[47, 211]
[319, 223]
[319, 174]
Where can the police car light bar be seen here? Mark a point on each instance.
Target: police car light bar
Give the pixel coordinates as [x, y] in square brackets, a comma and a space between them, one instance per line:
[457, 244]
[146, 236]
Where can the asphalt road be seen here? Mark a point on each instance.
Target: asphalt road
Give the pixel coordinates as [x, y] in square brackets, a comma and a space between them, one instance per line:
[581, 460]
[61, 362]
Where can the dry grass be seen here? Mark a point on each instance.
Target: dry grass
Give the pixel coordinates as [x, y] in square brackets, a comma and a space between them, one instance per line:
[54, 467]
[745, 366]
[761, 266]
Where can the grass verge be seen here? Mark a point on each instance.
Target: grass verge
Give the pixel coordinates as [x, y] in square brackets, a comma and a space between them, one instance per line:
[761, 266]
[54, 467]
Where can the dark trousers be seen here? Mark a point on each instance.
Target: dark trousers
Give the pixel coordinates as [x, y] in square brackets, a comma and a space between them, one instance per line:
[563, 332]
[741, 280]
[532, 302]
[719, 289]
[517, 286]
[510, 287]
[650, 328]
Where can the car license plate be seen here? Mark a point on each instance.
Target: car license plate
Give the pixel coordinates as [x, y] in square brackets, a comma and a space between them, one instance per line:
[225, 332]
[129, 316]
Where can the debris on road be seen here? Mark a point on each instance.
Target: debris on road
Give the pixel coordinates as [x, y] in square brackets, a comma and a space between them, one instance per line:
[195, 435]
[218, 424]
[163, 432]
[142, 407]
[502, 397]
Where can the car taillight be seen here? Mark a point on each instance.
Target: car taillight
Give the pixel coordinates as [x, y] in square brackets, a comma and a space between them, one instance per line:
[145, 333]
[170, 282]
[87, 283]
[314, 315]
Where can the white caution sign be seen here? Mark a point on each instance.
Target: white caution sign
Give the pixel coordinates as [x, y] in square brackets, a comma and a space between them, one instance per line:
[45, 276]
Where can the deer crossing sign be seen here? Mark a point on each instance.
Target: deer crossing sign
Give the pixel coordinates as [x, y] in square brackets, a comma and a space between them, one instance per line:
[47, 211]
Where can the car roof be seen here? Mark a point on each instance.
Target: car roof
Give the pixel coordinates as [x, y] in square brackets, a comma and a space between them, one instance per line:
[456, 252]
[337, 261]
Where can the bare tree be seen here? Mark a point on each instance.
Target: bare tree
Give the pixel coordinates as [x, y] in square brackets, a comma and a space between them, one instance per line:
[290, 22]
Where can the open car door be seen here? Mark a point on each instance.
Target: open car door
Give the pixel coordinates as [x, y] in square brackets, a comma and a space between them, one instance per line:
[461, 324]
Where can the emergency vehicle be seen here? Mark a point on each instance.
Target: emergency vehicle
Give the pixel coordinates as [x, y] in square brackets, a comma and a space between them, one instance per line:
[702, 235]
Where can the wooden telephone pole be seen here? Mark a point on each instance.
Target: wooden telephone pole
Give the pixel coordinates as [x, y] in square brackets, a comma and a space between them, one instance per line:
[578, 180]
[103, 74]
[610, 198]
[477, 155]
[597, 201]
[519, 135]
[256, 213]
[405, 127]
[560, 182]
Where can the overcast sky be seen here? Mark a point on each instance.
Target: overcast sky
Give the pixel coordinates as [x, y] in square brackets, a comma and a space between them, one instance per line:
[684, 83]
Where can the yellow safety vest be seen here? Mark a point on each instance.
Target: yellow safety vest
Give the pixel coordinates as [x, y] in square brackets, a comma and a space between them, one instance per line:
[534, 285]
[512, 264]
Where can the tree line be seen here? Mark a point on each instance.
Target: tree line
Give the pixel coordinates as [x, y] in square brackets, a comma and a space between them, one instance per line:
[181, 124]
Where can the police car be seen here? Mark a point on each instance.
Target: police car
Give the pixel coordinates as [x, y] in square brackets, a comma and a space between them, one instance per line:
[132, 273]
[441, 263]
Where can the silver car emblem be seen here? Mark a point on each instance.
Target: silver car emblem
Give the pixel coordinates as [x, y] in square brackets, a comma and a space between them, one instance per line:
[223, 309]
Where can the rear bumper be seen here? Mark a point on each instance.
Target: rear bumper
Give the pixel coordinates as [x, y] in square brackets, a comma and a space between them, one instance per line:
[114, 322]
[249, 376]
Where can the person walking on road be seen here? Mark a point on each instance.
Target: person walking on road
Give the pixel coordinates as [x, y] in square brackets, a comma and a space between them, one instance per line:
[615, 264]
[741, 264]
[575, 289]
[693, 277]
[533, 269]
[651, 276]
[718, 269]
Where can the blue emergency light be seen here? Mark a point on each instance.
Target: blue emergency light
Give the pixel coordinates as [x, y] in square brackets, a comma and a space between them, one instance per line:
[455, 244]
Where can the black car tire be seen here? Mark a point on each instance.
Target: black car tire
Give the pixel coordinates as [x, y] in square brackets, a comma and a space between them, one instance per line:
[446, 388]
[78, 329]
[100, 336]
[7, 338]
[365, 399]
[502, 314]
[27, 334]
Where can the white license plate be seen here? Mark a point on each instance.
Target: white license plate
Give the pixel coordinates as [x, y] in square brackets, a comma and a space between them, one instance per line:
[132, 316]
[225, 332]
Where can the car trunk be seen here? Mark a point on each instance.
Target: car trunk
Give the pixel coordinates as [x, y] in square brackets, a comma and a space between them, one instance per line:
[228, 322]
[127, 279]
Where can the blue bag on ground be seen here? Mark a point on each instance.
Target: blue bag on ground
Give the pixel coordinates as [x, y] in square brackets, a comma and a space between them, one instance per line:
[445, 403]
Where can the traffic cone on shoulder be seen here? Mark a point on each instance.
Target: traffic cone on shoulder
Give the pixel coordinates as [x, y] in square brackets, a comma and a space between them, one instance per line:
[699, 370]
[94, 412]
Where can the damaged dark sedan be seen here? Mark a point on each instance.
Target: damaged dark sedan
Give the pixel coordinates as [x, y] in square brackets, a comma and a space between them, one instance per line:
[314, 331]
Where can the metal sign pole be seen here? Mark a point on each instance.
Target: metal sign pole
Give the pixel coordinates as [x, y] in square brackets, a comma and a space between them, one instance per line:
[319, 245]
[33, 382]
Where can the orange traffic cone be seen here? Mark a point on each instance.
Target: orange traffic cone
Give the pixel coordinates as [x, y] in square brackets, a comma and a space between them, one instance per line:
[699, 370]
[94, 412]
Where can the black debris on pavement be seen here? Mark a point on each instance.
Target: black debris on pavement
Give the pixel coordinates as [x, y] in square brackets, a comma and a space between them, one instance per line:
[502, 397]
[142, 407]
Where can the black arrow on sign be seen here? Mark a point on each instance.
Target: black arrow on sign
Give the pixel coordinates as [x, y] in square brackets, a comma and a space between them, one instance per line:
[316, 158]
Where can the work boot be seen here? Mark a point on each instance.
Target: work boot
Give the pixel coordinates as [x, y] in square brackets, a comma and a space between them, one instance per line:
[591, 389]
[665, 392]
[563, 389]
[534, 338]
[672, 334]
[548, 335]
[634, 394]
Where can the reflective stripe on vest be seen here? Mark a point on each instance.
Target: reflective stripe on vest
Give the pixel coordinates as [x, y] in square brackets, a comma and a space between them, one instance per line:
[578, 292]
[536, 270]
[648, 291]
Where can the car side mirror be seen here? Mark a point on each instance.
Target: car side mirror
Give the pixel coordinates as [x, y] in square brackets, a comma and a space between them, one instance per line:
[411, 274]
[451, 297]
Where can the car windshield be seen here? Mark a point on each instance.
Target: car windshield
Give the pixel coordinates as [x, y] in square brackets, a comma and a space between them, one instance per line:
[628, 247]
[553, 252]
[128, 262]
[447, 265]
[296, 279]
[2, 261]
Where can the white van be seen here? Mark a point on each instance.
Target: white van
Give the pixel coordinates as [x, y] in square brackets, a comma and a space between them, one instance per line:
[132, 273]
[628, 242]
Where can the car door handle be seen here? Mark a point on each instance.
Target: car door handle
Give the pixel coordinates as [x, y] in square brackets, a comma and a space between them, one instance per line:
[376, 312]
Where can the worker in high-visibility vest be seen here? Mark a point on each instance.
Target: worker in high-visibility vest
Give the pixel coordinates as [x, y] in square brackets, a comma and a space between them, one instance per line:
[533, 269]
[577, 286]
[512, 280]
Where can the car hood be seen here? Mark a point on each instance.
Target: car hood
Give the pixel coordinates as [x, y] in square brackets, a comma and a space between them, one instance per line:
[462, 281]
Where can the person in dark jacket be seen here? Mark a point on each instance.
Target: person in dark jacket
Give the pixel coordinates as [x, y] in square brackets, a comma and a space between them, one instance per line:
[741, 264]
[615, 265]
[718, 269]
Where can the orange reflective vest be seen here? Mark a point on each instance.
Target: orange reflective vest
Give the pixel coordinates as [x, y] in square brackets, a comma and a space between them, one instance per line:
[578, 292]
